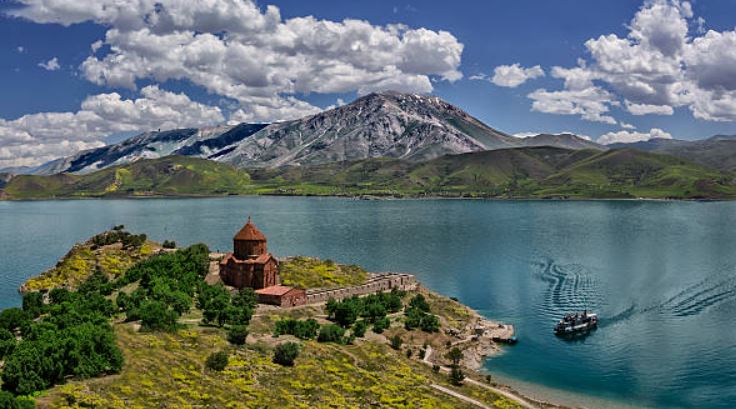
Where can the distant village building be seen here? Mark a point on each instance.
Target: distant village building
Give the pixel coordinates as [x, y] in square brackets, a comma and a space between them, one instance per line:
[250, 265]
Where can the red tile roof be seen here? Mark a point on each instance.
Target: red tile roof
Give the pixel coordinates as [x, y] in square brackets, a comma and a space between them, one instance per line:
[274, 290]
[263, 258]
[250, 232]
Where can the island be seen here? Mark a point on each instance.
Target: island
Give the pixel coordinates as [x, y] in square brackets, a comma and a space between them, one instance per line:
[122, 321]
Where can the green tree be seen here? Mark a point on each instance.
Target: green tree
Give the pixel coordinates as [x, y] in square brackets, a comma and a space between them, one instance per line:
[420, 303]
[429, 323]
[380, 325]
[157, 316]
[455, 355]
[213, 300]
[217, 361]
[331, 333]
[359, 328]
[285, 354]
[123, 301]
[456, 375]
[7, 343]
[8, 401]
[33, 303]
[303, 329]
[347, 311]
[13, 318]
[59, 295]
[237, 334]
[396, 342]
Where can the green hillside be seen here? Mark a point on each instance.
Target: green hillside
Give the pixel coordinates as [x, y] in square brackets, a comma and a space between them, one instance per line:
[632, 173]
[172, 175]
[528, 172]
[531, 172]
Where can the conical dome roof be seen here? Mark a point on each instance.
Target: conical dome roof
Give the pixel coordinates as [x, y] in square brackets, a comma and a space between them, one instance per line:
[250, 232]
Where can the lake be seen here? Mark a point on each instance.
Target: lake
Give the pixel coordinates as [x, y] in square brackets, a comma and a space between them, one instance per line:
[661, 275]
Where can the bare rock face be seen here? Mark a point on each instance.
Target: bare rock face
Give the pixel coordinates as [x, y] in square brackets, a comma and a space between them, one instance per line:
[388, 124]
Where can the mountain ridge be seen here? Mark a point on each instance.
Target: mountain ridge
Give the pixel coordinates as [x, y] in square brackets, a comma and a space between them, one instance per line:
[511, 173]
[385, 124]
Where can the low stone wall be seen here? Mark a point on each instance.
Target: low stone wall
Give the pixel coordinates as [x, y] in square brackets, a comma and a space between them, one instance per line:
[376, 283]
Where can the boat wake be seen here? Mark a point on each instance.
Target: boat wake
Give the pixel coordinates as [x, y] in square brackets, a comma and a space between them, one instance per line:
[572, 288]
[698, 297]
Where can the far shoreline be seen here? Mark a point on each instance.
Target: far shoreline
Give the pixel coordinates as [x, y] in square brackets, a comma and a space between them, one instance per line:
[370, 197]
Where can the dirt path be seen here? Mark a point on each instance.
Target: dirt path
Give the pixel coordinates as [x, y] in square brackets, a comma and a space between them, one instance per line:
[460, 396]
[512, 396]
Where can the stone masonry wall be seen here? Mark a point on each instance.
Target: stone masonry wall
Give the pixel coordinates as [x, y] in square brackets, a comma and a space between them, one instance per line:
[376, 283]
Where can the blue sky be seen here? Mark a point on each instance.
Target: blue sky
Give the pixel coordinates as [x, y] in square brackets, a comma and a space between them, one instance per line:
[656, 74]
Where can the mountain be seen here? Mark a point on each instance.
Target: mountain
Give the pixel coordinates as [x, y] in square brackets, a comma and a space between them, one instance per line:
[172, 175]
[563, 140]
[5, 178]
[527, 172]
[151, 145]
[387, 124]
[18, 170]
[718, 152]
[518, 172]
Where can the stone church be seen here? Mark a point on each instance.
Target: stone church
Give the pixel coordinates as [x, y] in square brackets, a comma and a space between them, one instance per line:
[250, 264]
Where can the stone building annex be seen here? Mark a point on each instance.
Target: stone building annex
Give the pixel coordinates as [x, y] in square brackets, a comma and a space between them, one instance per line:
[250, 265]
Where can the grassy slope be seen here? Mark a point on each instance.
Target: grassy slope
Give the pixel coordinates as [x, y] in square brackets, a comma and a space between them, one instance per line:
[309, 272]
[173, 175]
[532, 172]
[627, 172]
[82, 260]
[511, 173]
[167, 370]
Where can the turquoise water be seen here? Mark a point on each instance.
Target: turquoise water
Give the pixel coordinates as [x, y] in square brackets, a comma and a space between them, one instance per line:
[662, 275]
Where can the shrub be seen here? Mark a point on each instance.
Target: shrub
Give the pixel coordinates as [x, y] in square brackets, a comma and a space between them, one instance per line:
[306, 329]
[169, 244]
[417, 315]
[435, 368]
[237, 334]
[359, 328]
[429, 323]
[8, 401]
[396, 342]
[123, 301]
[419, 302]
[286, 353]
[217, 361]
[59, 295]
[330, 333]
[7, 343]
[14, 318]
[380, 325]
[455, 355]
[346, 312]
[456, 375]
[409, 352]
[156, 316]
[33, 303]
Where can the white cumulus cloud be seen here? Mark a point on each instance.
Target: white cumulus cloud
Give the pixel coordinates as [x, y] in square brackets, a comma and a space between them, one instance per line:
[36, 138]
[511, 76]
[50, 65]
[237, 50]
[658, 66]
[645, 109]
[630, 137]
